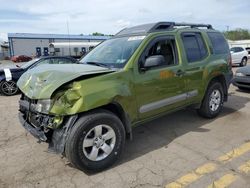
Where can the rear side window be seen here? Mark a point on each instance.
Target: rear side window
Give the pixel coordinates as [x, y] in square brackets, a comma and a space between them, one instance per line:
[219, 43]
[194, 46]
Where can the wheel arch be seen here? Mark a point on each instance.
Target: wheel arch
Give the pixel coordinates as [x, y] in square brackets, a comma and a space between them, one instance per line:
[221, 79]
[118, 110]
[60, 136]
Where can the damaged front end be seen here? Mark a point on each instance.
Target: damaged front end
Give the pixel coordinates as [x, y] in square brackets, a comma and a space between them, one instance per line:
[51, 100]
[46, 128]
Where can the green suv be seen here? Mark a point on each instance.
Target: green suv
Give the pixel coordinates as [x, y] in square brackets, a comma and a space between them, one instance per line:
[85, 111]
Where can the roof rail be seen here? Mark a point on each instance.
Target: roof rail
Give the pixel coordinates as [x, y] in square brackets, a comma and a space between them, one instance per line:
[160, 26]
[208, 26]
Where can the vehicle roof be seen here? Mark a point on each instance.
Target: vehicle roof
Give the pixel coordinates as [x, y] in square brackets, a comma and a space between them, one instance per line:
[146, 29]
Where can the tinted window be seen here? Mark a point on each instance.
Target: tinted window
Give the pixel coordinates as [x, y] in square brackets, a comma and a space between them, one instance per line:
[240, 49]
[194, 46]
[236, 49]
[219, 43]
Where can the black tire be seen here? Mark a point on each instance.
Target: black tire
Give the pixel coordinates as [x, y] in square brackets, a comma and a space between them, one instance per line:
[8, 92]
[243, 62]
[205, 109]
[74, 145]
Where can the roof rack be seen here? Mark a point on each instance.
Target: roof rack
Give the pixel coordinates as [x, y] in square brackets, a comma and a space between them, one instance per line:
[208, 26]
[160, 26]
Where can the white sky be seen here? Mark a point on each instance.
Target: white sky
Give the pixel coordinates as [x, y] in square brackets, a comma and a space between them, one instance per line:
[106, 16]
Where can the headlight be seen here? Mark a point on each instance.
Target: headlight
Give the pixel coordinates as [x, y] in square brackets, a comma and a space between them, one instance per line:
[239, 74]
[43, 106]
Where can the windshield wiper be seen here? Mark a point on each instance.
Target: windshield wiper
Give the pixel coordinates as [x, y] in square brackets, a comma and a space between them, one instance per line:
[97, 64]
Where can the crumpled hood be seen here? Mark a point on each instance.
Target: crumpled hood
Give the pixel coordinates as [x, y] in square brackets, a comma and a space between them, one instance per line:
[41, 81]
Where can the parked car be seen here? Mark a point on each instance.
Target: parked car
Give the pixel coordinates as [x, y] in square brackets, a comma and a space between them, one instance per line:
[248, 50]
[85, 111]
[239, 56]
[9, 77]
[20, 58]
[242, 78]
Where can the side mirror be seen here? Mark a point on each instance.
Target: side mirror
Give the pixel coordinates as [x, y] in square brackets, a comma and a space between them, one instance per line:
[153, 61]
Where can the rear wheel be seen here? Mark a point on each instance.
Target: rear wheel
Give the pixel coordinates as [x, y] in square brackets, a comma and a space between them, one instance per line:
[8, 88]
[96, 141]
[213, 101]
[243, 62]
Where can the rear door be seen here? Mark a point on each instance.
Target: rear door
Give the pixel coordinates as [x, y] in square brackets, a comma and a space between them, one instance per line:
[195, 58]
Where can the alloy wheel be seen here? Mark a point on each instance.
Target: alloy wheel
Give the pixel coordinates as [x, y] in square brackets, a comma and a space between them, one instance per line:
[215, 100]
[9, 87]
[99, 142]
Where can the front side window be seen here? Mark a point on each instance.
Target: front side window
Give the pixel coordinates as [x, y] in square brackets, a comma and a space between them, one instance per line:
[236, 49]
[164, 47]
[113, 53]
[194, 46]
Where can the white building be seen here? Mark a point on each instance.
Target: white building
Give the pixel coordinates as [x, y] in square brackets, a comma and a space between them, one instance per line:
[4, 50]
[38, 44]
[239, 43]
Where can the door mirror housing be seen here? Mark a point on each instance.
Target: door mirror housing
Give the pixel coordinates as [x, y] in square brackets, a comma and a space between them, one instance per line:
[153, 61]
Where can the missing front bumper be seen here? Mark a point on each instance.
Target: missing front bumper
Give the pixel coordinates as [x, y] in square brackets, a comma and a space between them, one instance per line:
[58, 138]
[36, 132]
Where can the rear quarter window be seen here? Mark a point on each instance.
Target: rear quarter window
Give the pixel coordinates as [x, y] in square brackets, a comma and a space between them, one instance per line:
[219, 43]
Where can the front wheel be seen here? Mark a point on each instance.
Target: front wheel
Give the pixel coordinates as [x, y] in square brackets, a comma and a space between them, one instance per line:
[96, 141]
[213, 101]
[8, 88]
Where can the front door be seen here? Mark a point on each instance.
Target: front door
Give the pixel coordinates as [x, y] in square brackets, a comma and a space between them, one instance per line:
[160, 88]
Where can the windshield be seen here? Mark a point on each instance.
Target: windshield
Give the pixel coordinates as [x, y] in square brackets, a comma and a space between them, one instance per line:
[29, 63]
[113, 53]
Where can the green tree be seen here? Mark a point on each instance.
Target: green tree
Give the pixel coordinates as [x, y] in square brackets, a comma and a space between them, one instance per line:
[97, 34]
[238, 34]
[100, 34]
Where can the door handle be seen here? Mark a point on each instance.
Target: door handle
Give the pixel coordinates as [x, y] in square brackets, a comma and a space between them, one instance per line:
[180, 73]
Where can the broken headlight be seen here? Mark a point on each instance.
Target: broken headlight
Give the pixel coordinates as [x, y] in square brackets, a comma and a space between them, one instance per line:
[42, 106]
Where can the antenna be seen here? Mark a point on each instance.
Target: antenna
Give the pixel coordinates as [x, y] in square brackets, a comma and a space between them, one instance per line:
[68, 38]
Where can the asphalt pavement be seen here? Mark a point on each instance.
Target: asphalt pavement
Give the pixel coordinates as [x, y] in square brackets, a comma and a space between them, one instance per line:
[178, 150]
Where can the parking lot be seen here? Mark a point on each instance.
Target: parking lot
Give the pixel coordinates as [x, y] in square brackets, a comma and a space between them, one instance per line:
[177, 150]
